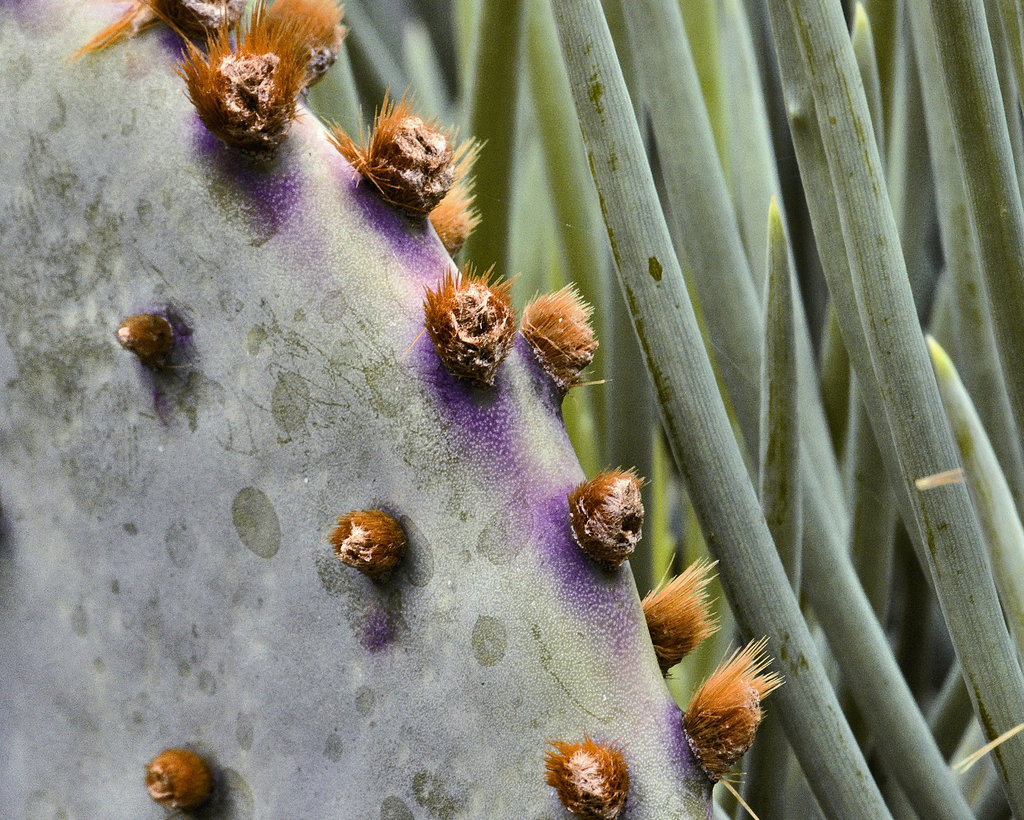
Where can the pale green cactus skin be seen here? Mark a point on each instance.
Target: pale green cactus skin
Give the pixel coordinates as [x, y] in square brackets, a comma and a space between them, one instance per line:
[165, 578]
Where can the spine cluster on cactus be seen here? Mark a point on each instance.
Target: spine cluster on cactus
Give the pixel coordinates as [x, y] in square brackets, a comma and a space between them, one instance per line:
[557, 326]
[245, 91]
[194, 18]
[591, 779]
[471, 324]
[149, 336]
[607, 515]
[179, 779]
[454, 217]
[678, 615]
[198, 18]
[370, 541]
[411, 162]
[323, 31]
[725, 711]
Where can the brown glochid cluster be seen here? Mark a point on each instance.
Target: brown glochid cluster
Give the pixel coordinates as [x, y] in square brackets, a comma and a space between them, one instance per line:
[409, 160]
[246, 95]
[607, 514]
[324, 32]
[198, 18]
[194, 18]
[724, 713]
[149, 336]
[368, 540]
[678, 615]
[591, 779]
[454, 217]
[471, 323]
[557, 326]
[179, 779]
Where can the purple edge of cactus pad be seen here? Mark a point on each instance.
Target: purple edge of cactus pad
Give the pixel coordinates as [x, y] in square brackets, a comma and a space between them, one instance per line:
[272, 190]
[489, 421]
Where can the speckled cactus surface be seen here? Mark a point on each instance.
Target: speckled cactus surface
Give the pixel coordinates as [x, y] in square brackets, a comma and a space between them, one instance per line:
[165, 574]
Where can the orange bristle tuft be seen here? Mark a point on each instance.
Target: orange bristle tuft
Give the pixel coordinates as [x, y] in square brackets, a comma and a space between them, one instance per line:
[678, 616]
[246, 95]
[191, 18]
[726, 711]
[607, 514]
[368, 540]
[471, 324]
[410, 161]
[179, 779]
[591, 779]
[454, 217]
[321, 20]
[557, 326]
[149, 336]
[137, 17]
[199, 18]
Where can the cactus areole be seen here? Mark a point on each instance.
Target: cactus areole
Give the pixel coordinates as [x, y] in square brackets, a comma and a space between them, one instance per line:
[167, 578]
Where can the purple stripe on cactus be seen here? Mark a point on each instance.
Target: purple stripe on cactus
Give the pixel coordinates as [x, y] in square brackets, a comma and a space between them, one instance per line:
[38, 18]
[378, 628]
[490, 419]
[680, 752]
[170, 40]
[602, 597]
[487, 419]
[411, 237]
[273, 193]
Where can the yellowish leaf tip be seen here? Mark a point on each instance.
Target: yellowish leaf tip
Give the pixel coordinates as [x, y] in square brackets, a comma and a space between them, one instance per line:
[930, 482]
[775, 227]
[940, 359]
[861, 23]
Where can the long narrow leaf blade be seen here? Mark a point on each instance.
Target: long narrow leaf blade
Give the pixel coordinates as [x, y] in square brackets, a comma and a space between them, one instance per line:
[781, 496]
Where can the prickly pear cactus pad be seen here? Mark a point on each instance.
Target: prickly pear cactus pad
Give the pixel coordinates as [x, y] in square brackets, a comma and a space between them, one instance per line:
[166, 579]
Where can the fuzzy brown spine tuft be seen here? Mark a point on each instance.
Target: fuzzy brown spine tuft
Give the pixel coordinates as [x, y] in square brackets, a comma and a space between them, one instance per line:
[725, 712]
[454, 217]
[557, 326]
[138, 16]
[678, 615]
[148, 336]
[179, 779]
[193, 18]
[410, 161]
[321, 20]
[471, 323]
[368, 540]
[607, 514]
[246, 95]
[200, 18]
[591, 779]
